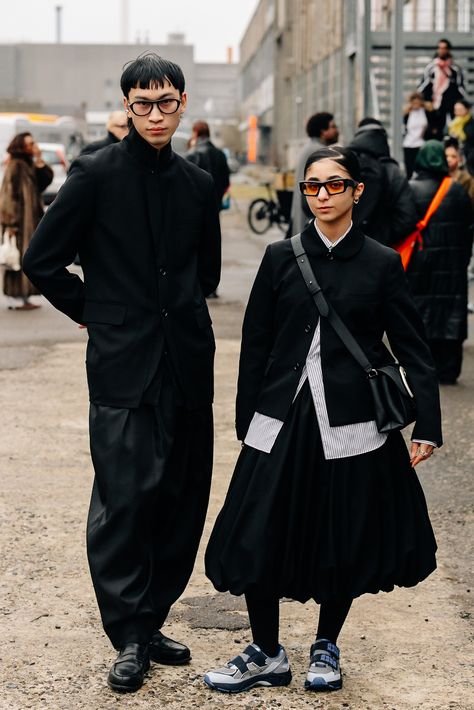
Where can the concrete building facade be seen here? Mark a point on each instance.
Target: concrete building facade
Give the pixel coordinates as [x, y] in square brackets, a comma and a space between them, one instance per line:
[78, 78]
[257, 77]
[336, 56]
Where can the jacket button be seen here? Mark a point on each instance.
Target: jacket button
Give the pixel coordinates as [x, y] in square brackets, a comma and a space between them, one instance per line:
[164, 312]
[297, 366]
[307, 329]
[329, 256]
[162, 271]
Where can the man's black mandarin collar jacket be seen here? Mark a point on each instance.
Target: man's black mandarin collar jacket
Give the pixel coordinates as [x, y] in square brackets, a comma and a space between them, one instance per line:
[366, 284]
[146, 227]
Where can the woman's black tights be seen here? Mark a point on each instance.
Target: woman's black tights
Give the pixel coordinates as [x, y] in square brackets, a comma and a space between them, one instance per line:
[264, 616]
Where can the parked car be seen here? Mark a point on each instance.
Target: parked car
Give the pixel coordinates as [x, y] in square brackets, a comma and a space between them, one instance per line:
[55, 155]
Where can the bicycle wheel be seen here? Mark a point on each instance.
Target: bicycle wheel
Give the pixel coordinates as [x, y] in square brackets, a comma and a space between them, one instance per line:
[259, 216]
[282, 224]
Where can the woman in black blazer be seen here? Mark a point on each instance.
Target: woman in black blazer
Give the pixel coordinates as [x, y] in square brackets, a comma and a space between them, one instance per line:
[321, 505]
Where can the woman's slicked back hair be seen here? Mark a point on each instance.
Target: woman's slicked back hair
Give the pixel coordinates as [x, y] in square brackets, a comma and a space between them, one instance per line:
[344, 156]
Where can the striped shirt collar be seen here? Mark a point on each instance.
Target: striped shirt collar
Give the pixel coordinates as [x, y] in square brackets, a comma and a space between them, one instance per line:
[327, 242]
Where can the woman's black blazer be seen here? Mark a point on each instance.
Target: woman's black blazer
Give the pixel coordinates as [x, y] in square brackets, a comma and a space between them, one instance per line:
[366, 284]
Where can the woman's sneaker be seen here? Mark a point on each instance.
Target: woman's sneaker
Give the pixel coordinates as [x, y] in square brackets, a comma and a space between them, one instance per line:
[250, 668]
[324, 672]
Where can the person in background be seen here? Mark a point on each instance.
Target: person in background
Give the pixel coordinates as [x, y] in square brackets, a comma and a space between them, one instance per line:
[462, 126]
[469, 164]
[117, 129]
[322, 130]
[442, 84]
[437, 273]
[203, 153]
[386, 211]
[207, 156]
[416, 121]
[456, 169]
[21, 208]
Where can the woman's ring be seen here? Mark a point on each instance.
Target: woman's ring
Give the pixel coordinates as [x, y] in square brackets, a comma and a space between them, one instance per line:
[423, 454]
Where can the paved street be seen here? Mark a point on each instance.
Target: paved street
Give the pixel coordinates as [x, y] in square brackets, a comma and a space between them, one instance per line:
[409, 649]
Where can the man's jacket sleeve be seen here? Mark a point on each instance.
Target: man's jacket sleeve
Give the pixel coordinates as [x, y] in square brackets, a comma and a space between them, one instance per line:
[57, 239]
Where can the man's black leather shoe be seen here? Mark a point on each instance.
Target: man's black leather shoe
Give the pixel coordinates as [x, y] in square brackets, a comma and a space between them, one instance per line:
[129, 668]
[167, 651]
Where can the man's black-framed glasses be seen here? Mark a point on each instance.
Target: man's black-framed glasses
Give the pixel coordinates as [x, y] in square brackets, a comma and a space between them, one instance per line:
[311, 188]
[145, 107]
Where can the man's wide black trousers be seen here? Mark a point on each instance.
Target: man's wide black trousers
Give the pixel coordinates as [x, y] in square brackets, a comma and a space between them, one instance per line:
[149, 500]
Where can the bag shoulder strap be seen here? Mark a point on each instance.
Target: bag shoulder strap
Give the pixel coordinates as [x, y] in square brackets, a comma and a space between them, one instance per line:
[325, 310]
[308, 275]
[435, 202]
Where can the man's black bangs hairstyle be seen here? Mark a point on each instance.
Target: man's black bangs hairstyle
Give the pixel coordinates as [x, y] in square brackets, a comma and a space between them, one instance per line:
[344, 156]
[148, 71]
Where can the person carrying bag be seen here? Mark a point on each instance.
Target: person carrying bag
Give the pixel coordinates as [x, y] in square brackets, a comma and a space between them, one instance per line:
[406, 247]
[9, 252]
[324, 503]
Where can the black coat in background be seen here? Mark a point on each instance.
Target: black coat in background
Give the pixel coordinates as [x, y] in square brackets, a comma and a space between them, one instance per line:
[438, 274]
[386, 211]
[212, 160]
[365, 283]
[110, 139]
[468, 145]
[146, 227]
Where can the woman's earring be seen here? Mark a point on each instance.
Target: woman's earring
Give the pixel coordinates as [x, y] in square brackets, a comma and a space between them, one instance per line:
[356, 201]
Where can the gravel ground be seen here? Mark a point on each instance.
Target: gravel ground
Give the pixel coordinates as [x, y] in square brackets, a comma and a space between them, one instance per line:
[408, 649]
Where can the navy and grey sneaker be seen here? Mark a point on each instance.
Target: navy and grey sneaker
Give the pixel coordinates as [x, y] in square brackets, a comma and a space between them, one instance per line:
[250, 668]
[324, 672]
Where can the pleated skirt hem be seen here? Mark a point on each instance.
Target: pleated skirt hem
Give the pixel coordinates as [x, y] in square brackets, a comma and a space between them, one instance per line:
[295, 525]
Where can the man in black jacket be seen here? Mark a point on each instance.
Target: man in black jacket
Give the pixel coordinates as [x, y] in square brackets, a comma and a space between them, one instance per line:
[211, 159]
[321, 130]
[145, 224]
[386, 211]
[205, 154]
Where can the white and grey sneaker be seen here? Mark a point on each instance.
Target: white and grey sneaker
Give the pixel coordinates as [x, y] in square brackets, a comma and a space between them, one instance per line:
[250, 668]
[324, 672]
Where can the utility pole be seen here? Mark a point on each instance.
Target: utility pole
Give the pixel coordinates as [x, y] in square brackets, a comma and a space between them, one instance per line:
[366, 49]
[397, 78]
[124, 21]
[59, 9]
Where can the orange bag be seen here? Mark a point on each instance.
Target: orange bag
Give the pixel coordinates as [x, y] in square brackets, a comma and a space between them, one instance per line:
[406, 247]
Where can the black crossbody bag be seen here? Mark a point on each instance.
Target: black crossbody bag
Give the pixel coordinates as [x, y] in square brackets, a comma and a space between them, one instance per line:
[394, 402]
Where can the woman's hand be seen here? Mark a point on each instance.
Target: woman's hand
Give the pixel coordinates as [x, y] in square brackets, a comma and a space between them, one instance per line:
[38, 156]
[420, 452]
[36, 150]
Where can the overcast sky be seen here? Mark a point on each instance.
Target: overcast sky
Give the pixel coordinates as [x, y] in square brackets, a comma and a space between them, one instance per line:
[210, 25]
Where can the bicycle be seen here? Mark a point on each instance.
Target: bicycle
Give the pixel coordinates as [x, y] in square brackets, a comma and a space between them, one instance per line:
[263, 213]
